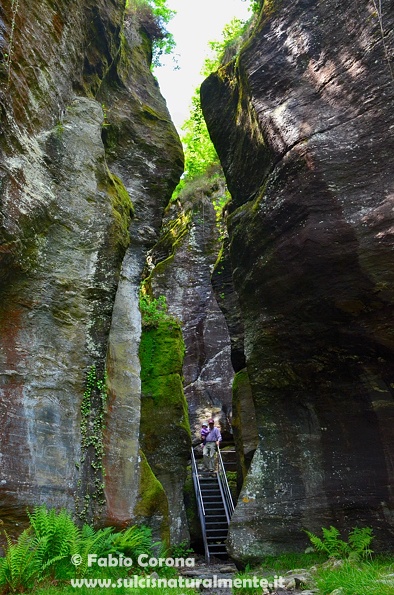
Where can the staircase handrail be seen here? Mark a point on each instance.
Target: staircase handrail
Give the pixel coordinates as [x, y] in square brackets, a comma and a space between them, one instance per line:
[225, 488]
[200, 503]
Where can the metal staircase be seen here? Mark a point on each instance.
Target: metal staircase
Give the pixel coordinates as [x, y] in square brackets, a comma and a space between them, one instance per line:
[215, 507]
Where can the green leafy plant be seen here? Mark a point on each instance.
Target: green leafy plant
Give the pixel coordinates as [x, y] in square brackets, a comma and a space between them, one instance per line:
[21, 565]
[153, 16]
[331, 543]
[133, 541]
[222, 50]
[182, 550]
[44, 549]
[255, 6]
[56, 532]
[93, 411]
[153, 310]
[41, 550]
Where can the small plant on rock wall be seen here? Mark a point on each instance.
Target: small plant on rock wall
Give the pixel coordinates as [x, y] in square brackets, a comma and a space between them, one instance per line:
[154, 310]
[93, 408]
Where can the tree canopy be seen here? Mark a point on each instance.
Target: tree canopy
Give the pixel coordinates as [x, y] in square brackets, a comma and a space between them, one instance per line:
[200, 154]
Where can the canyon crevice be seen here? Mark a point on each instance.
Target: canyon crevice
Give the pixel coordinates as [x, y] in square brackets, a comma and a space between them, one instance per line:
[279, 308]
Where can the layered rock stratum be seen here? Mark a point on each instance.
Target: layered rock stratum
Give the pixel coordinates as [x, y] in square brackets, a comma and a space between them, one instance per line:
[303, 123]
[89, 159]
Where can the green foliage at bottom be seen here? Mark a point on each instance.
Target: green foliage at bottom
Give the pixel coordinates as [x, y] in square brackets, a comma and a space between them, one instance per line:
[331, 543]
[44, 550]
[365, 578]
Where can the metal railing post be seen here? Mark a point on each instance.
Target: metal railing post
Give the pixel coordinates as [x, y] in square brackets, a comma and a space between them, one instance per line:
[224, 488]
[200, 504]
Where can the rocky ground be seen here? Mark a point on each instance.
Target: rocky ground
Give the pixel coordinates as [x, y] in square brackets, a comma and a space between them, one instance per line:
[292, 580]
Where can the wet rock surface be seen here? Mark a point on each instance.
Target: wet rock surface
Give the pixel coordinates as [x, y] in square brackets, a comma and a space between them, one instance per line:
[301, 122]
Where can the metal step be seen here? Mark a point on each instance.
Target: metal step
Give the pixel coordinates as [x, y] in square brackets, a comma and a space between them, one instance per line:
[220, 549]
[212, 539]
[209, 490]
[209, 524]
[214, 504]
[215, 525]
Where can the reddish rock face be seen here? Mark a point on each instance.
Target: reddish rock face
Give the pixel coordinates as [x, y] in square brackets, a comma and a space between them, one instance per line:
[89, 158]
[302, 123]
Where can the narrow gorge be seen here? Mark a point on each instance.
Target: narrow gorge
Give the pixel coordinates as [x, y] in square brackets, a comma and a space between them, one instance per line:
[128, 318]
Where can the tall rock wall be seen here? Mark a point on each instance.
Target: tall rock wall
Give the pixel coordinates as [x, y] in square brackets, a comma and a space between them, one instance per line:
[183, 260]
[302, 121]
[89, 158]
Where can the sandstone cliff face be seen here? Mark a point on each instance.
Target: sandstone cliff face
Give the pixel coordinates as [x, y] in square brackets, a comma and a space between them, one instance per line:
[302, 121]
[89, 160]
[184, 259]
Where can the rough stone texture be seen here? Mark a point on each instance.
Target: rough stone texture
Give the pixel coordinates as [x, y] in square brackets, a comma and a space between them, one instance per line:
[244, 424]
[152, 503]
[77, 100]
[165, 429]
[55, 312]
[227, 298]
[302, 121]
[184, 258]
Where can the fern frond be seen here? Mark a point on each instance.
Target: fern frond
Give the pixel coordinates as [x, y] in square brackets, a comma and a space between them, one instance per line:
[316, 542]
[133, 541]
[98, 542]
[21, 562]
[335, 546]
[357, 546]
[359, 540]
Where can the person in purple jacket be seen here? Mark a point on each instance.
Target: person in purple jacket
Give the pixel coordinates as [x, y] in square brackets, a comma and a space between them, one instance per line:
[211, 445]
[204, 432]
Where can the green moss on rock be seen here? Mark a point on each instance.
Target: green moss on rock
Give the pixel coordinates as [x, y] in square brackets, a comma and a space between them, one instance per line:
[165, 431]
[161, 355]
[152, 501]
[122, 209]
